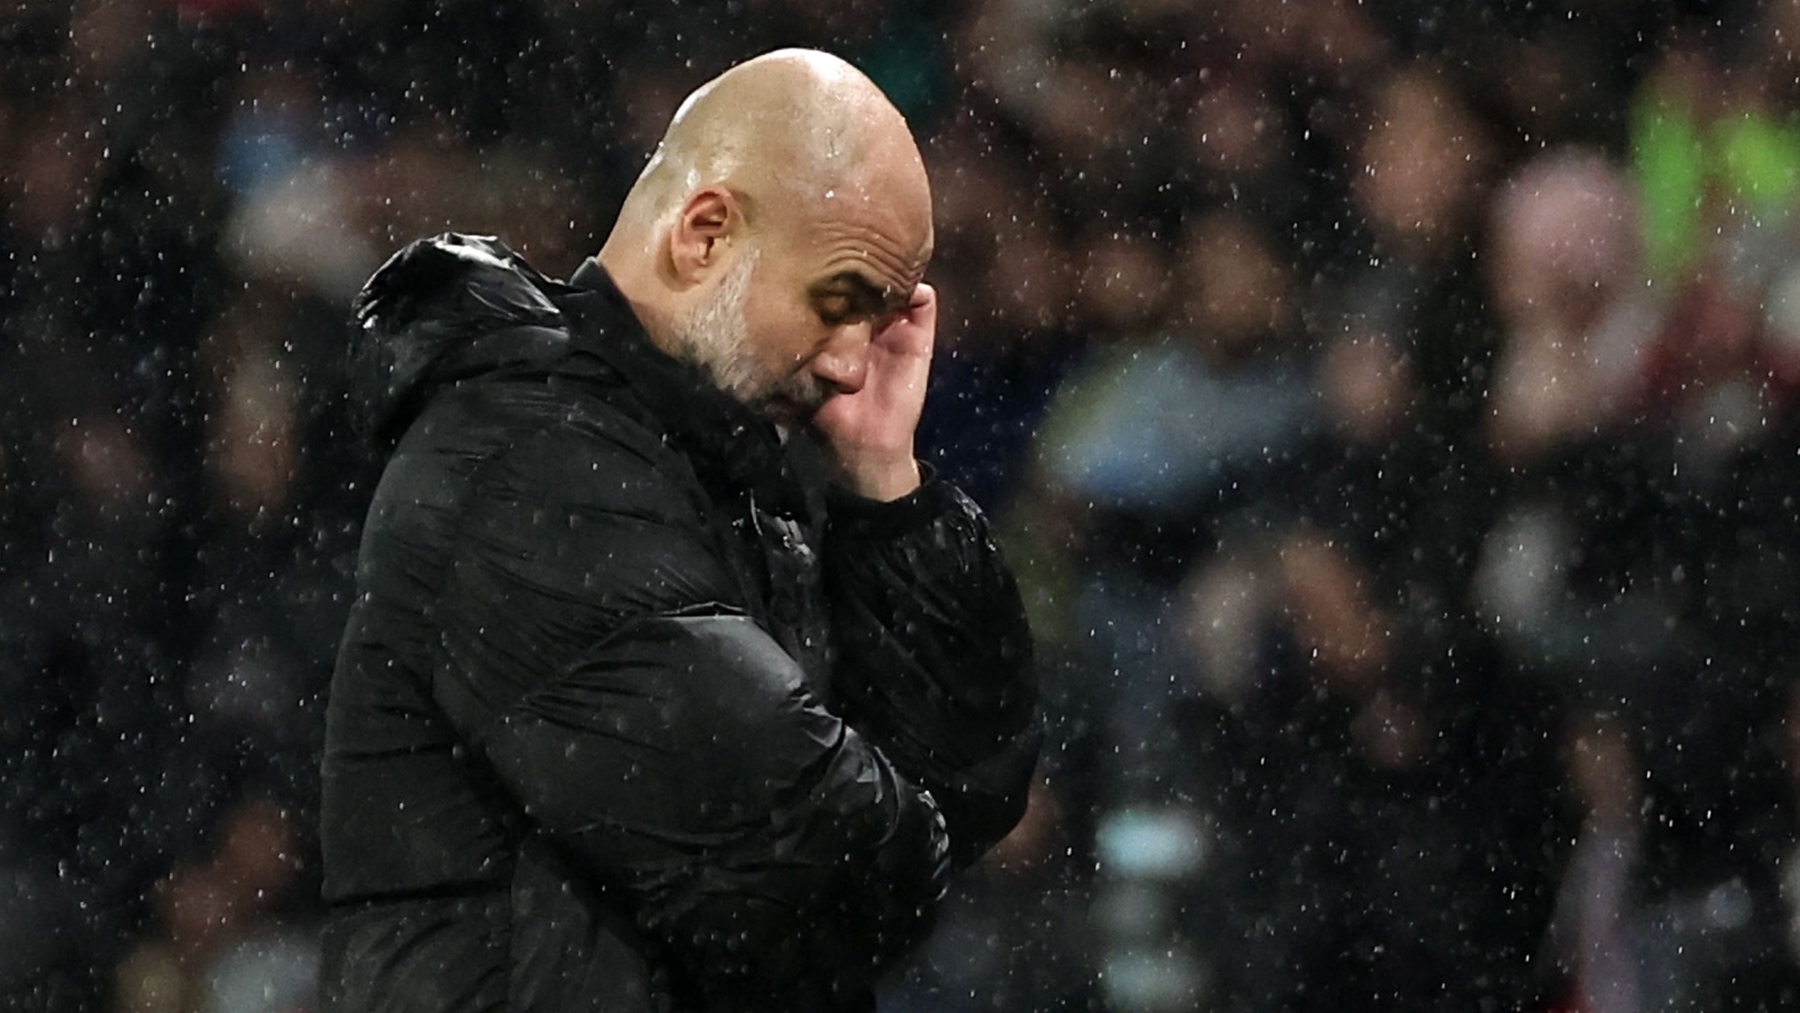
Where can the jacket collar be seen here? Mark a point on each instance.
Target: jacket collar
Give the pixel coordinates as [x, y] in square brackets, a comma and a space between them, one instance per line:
[730, 444]
[443, 310]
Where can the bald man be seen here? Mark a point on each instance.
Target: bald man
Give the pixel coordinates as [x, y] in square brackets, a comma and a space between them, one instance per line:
[674, 681]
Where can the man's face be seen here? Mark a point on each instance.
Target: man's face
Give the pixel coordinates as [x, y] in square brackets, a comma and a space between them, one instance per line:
[789, 323]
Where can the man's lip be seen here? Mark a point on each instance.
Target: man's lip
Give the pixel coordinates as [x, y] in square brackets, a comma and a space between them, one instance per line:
[788, 406]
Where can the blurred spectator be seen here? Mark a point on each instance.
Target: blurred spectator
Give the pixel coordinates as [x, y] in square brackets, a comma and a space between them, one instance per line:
[1592, 935]
[1635, 568]
[1565, 264]
[1388, 828]
[1420, 164]
[1165, 445]
[222, 942]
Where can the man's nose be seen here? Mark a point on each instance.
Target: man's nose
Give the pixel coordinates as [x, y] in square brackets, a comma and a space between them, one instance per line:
[844, 361]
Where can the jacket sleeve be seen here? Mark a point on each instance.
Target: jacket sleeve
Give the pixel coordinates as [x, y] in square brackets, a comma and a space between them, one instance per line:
[935, 654]
[594, 656]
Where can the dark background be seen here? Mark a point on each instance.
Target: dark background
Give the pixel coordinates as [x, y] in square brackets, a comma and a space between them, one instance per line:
[1388, 406]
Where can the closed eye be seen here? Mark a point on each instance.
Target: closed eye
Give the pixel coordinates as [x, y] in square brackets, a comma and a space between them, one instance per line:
[849, 297]
[835, 310]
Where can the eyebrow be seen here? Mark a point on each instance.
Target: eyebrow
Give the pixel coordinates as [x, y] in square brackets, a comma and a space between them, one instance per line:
[864, 291]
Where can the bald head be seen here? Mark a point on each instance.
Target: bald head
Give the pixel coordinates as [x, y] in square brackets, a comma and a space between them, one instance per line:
[786, 132]
[787, 197]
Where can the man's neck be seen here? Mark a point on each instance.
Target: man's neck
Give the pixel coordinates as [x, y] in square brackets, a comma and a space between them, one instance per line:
[650, 314]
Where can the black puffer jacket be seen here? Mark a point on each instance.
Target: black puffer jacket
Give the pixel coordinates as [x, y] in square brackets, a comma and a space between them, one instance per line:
[629, 716]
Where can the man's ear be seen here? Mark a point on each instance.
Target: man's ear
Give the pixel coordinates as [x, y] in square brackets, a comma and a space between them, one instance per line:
[710, 218]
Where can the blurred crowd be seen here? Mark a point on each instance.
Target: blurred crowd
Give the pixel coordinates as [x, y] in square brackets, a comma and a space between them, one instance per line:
[1390, 408]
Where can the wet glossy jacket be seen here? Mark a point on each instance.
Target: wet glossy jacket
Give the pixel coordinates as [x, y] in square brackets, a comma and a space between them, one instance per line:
[630, 714]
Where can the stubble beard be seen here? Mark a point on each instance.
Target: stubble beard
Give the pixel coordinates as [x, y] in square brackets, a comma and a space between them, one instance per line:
[716, 337]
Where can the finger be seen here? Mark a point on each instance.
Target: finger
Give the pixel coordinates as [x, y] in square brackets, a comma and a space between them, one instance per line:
[921, 310]
[923, 296]
[913, 332]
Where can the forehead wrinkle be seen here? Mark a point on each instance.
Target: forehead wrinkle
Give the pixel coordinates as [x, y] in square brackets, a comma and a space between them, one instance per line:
[869, 246]
[887, 275]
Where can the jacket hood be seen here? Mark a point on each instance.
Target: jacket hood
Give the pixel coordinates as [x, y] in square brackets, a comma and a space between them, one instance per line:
[441, 310]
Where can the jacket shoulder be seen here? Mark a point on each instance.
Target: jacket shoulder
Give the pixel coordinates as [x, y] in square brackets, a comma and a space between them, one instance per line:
[549, 444]
[515, 528]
